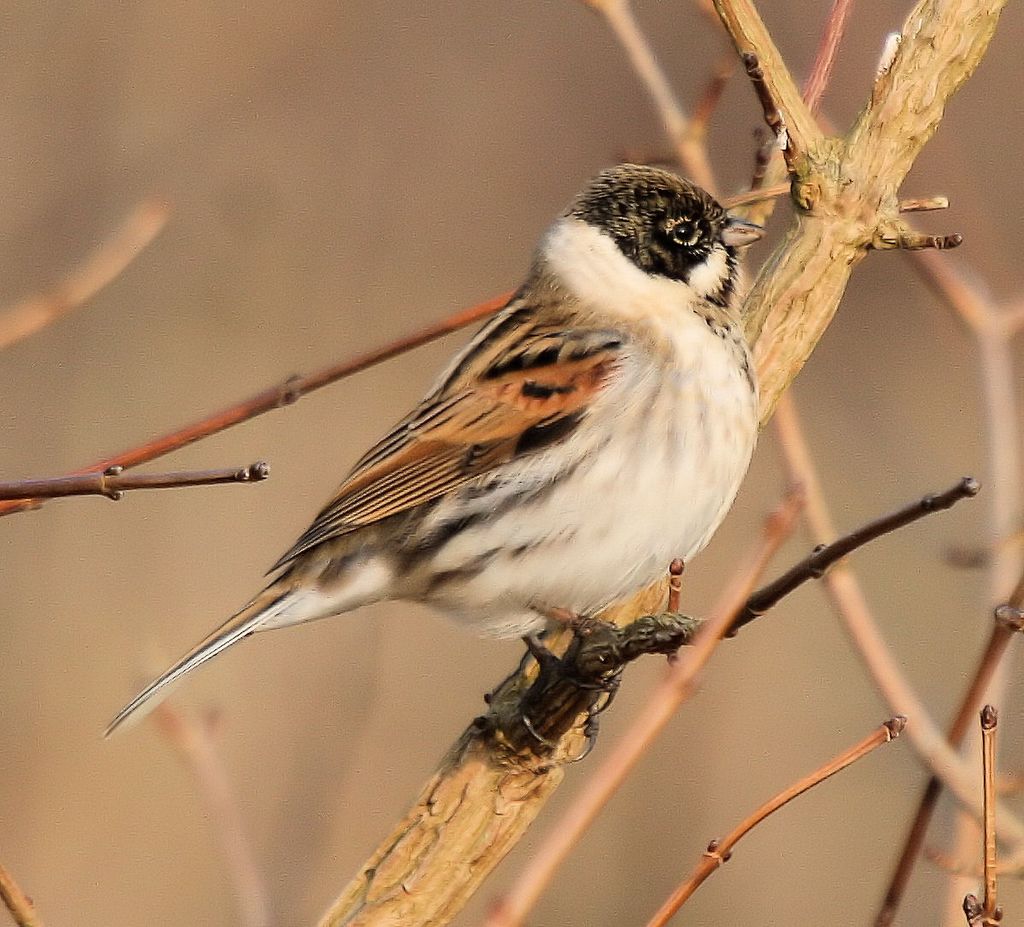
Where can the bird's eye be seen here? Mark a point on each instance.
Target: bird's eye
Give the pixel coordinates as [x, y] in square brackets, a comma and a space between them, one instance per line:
[685, 232]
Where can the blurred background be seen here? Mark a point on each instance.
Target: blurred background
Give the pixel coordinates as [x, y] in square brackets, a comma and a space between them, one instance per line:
[339, 175]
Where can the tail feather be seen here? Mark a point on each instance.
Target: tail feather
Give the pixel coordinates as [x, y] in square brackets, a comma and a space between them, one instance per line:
[260, 611]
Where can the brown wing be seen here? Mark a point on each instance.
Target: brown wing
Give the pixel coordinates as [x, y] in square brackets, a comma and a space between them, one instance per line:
[517, 388]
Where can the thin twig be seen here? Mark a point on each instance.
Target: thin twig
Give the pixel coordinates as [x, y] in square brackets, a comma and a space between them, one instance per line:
[784, 110]
[193, 738]
[989, 719]
[674, 689]
[112, 483]
[711, 96]
[277, 396]
[101, 267]
[815, 565]
[756, 196]
[849, 601]
[1003, 630]
[1006, 510]
[688, 145]
[824, 60]
[17, 902]
[720, 851]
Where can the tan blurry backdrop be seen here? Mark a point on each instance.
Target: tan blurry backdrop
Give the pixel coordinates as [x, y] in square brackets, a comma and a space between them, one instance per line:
[340, 174]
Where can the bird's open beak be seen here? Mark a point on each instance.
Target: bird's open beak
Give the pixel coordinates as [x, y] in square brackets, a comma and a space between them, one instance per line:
[739, 233]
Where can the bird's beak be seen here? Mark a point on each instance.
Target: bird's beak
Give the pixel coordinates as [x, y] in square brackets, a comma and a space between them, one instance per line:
[739, 233]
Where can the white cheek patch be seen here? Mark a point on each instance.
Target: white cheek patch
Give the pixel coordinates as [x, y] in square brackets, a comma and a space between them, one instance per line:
[592, 267]
[707, 278]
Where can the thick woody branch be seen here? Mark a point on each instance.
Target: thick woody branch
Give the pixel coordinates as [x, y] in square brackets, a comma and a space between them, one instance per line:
[845, 190]
[785, 111]
[113, 483]
[719, 852]
[477, 806]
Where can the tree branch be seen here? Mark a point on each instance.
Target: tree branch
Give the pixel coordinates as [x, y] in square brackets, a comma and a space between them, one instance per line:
[275, 397]
[103, 266]
[815, 565]
[456, 821]
[17, 902]
[720, 851]
[193, 738]
[688, 144]
[849, 601]
[112, 483]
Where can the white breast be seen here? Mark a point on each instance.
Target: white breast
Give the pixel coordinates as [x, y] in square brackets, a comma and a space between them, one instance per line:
[658, 460]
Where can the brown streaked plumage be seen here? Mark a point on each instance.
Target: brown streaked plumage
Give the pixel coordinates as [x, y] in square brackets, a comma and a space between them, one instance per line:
[595, 429]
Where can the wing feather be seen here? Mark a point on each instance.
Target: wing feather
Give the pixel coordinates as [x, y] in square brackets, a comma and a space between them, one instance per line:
[515, 389]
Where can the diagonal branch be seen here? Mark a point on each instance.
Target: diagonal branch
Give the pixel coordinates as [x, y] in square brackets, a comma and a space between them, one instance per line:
[719, 851]
[687, 142]
[275, 397]
[849, 601]
[824, 556]
[103, 266]
[17, 902]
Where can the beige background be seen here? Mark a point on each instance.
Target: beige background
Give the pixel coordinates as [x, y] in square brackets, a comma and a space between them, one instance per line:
[341, 173]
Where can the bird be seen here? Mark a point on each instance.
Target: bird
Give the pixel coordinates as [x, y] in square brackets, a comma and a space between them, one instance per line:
[593, 430]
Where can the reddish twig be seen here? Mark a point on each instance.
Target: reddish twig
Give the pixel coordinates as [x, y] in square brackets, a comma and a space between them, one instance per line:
[277, 396]
[720, 851]
[17, 902]
[851, 604]
[1003, 631]
[112, 483]
[824, 60]
[990, 908]
[105, 264]
[689, 146]
[674, 689]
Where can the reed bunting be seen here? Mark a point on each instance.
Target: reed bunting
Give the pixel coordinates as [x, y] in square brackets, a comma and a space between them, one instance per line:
[596, 428]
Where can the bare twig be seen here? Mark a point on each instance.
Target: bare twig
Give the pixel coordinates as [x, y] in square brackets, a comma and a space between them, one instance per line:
[17, 902]
[1003, 629]
[824, 60]
[1006, 507]
[112, 483]
[688, 144]
[924, 204]
[720, 851]
[193, 738]
[105, 264]
[784, 109]
[677, 685]
[281, 395]
[849, 601]
[709, 99]
[990, 908]
[756, 195]
[824, 556]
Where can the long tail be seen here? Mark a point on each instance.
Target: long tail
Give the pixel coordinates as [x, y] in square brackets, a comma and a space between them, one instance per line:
[259, 612]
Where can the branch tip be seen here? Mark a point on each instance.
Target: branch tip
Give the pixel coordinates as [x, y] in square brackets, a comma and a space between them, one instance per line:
[1010, 617]
[924, 204]
[896, 726]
